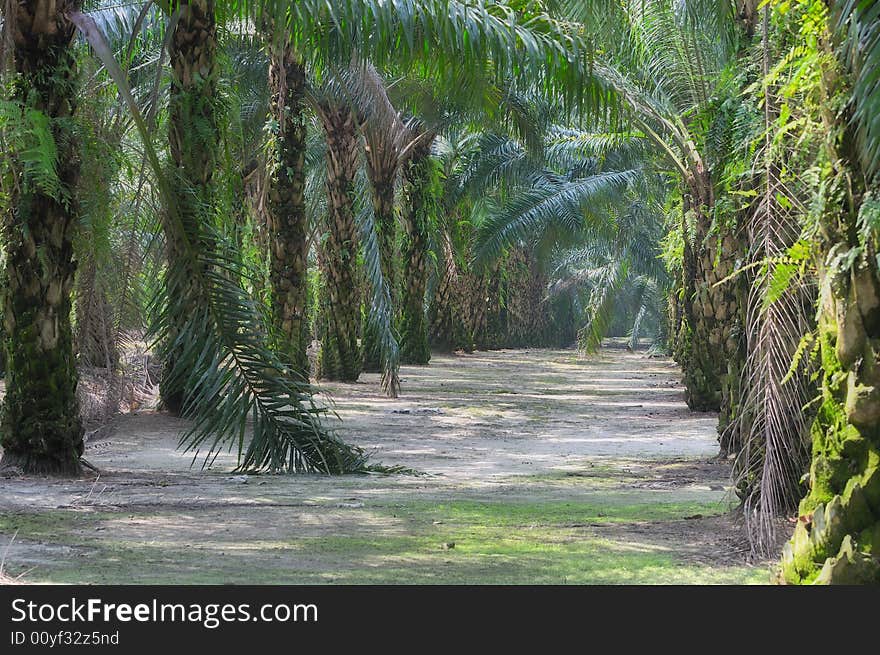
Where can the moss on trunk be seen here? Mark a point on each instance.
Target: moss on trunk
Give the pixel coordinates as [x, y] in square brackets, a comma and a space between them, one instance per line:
[40, 424]
[285, 209]
[418, 201]
[194, 140]
[837, 538]
[339, 305]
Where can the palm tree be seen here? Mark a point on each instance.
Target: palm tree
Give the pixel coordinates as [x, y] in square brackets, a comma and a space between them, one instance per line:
[41, 428]
[711, 248]
[219, 370]
[474, 163]
[666, 61]
[285, 208]
[340, 355]
[589, 205]
[419, 201]
[383, 132]
[836, 537]
[194, 142]
[458, 311]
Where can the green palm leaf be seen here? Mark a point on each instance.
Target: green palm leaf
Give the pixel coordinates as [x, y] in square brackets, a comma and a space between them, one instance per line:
[559, 204]
[222, 361]
[857, 25]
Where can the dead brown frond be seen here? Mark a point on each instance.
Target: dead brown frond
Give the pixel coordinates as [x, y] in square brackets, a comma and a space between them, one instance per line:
[772, 422]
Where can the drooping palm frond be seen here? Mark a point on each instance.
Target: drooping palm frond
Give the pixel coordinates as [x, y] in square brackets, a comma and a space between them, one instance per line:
[123, 21]
[775, 452]
[599, 312]
[385, 139]
[650, 301]
[771, 424]
[237, 381]
[223, 362]
[552, 203]
[380, 308]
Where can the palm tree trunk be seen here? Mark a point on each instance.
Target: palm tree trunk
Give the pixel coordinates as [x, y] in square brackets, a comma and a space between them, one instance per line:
[95, 338]
[478, 314]
[285, 212]
[709, 345]
[447, 318]
[700, 366]
[194, 137]
[526, 319]
[382, 184]
[41, 428]
[493, 310]
[838, 532]
[732, 426]
[340, 356]
[418, 177]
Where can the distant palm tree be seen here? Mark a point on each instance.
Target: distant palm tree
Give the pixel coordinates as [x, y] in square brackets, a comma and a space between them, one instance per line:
[669, 73]
[589, 206]
[419, 207]
[384, 135]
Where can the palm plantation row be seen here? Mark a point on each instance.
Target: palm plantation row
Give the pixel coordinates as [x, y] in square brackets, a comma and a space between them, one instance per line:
[384, 179]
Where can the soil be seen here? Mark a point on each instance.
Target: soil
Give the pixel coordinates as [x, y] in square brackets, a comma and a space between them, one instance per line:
[533, 466]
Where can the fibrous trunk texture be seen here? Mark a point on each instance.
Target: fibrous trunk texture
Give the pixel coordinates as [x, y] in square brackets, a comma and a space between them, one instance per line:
[837, 538]
[477, 289]
[527, 319]
[448, 330]
[41, 428]
[709, 343]
[194, 139]
[340, 356]
[382, 185]
[95, 335]
[285, 209]
[418, 183]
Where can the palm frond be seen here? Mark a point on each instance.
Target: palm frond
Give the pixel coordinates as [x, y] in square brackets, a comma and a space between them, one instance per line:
[553, 203]
[599, 311]
[222, 361]
[380, 312]
[857, 26]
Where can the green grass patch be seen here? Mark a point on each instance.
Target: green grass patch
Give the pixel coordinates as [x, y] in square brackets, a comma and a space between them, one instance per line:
[504, 542]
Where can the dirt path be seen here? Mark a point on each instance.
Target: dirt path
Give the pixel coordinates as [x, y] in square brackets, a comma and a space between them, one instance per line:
[540, 467]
